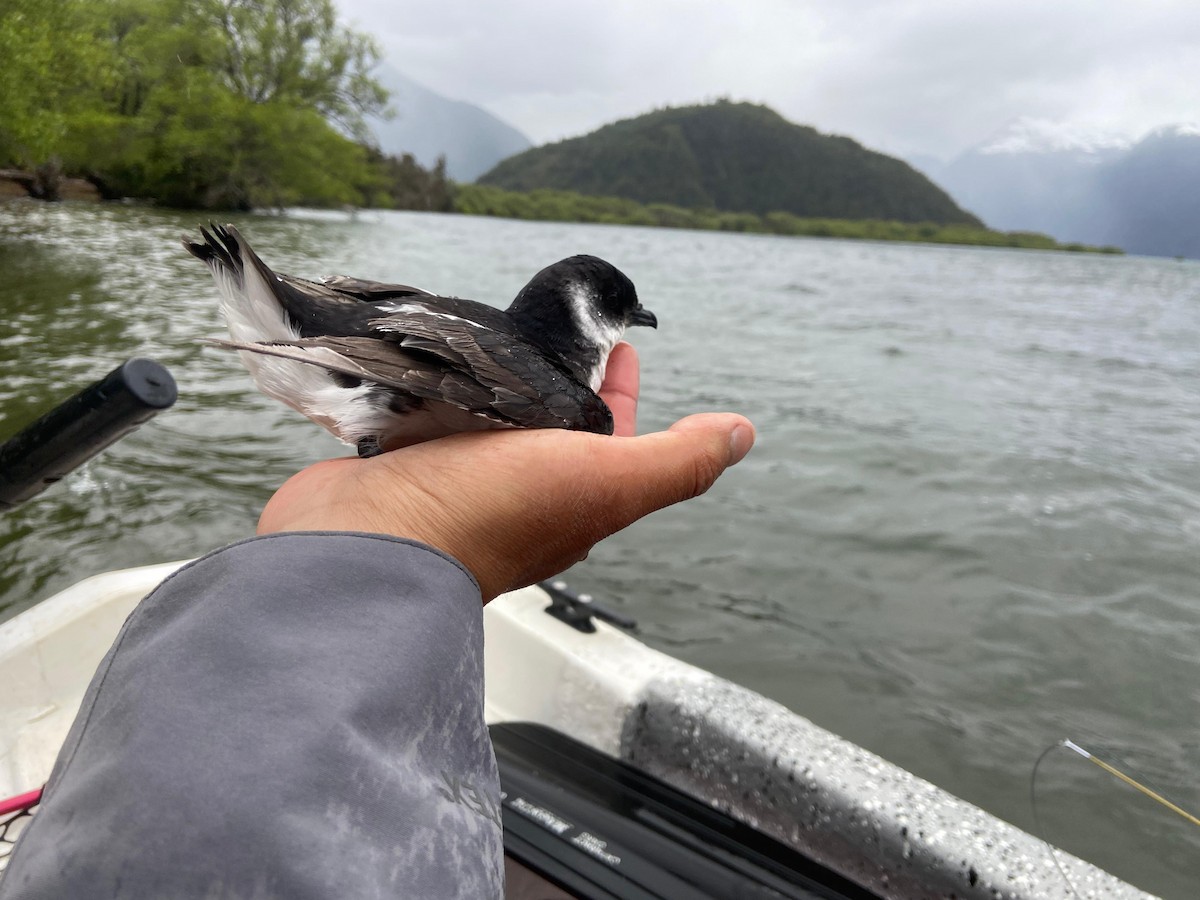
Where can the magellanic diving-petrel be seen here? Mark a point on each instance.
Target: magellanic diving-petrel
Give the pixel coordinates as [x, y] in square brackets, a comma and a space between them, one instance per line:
[383, 366]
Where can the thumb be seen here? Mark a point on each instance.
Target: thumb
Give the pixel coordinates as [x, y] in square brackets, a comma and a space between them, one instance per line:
[657, 470]
[615, 482]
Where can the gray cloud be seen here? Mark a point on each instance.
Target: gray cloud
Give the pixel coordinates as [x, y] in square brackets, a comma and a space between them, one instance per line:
[903, 76]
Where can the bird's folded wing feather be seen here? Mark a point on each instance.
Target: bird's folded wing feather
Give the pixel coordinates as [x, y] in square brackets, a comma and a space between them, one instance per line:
[371, 291]
[499, 361]
[458, 371]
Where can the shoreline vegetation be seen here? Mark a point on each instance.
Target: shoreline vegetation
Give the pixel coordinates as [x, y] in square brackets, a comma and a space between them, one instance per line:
[262, 104]
[440, 195]
[566, 206]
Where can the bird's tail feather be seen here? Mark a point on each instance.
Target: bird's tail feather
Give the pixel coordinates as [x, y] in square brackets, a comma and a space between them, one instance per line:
[249, 289]
[219, 249]
[312, 355]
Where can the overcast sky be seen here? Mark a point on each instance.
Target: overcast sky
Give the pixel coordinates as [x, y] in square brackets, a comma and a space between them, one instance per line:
[903, 76]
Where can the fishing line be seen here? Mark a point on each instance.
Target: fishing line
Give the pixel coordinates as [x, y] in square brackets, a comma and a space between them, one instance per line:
[1067, 744]
[1037, 819]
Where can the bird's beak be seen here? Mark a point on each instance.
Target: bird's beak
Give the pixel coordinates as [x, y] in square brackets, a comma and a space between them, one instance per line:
[643, 316]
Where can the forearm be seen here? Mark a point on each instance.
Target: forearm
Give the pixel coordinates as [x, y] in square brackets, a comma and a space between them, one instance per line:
[299, 716]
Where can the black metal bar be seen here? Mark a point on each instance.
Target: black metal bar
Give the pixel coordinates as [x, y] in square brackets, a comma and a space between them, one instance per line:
[81, 426]
[578, 610]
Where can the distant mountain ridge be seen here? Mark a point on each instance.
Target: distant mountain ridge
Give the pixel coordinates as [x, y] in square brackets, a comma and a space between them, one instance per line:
[1142, 196]
[1154, 192]
[428, 125]
[737, 157]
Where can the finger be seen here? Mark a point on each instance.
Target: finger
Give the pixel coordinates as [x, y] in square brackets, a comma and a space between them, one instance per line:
[620, 388]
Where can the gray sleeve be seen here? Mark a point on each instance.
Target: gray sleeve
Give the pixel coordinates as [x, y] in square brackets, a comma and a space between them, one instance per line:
[294, 716]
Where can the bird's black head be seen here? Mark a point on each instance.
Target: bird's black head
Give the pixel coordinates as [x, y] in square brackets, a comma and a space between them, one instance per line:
[580, 307]
[610, 295]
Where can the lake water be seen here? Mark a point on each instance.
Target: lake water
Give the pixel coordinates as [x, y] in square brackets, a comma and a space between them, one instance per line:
[969, 528]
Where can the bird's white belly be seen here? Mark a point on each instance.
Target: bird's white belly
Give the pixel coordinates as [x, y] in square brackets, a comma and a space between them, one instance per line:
[350, 415]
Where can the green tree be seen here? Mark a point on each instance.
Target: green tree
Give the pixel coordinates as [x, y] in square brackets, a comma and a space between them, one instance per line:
[209, 103]
[226, 104]
[294, 52]
[46, 56]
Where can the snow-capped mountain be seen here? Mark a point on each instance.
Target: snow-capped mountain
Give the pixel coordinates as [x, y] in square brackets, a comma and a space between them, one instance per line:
[1030, 135]
[1086, 185]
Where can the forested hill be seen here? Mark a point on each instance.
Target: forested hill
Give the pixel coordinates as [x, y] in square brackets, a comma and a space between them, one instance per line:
[732, 156]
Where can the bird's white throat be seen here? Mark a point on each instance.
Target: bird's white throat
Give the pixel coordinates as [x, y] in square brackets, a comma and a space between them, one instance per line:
[594, 328]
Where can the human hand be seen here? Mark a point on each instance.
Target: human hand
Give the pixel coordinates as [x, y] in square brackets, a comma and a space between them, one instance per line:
[516, 507]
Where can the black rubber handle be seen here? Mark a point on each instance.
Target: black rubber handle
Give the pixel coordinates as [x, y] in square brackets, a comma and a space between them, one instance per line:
[80, 427]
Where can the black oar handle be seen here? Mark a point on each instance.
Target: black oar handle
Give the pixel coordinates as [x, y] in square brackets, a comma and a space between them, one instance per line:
[81, 426]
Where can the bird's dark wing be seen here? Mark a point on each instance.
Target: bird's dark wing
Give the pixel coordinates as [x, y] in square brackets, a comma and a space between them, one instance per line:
[371, 291]
[430, 317]
[320, 310]
[512, 384]
[496, 358]
[434, 311]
